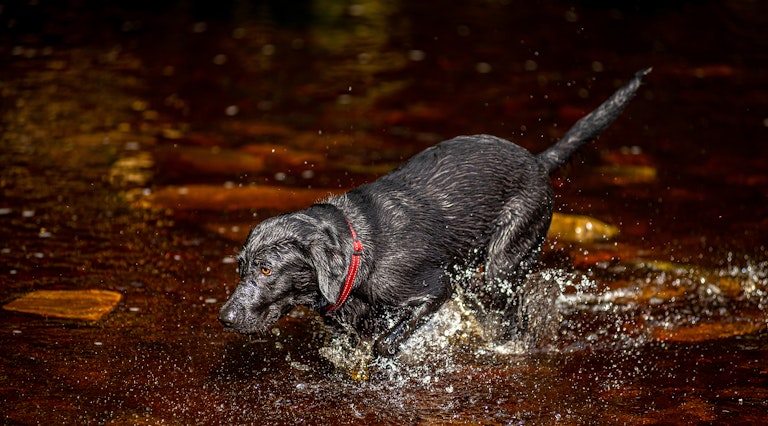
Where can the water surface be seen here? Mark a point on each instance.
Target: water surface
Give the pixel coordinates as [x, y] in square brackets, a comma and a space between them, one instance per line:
[141, 142]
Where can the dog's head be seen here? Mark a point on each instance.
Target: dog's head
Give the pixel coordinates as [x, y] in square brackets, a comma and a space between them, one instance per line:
[287, 261]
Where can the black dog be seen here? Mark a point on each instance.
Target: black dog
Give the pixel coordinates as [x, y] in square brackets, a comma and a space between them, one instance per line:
[379, 258]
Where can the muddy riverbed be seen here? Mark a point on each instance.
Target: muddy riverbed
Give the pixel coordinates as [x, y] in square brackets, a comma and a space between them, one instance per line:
[141, 142]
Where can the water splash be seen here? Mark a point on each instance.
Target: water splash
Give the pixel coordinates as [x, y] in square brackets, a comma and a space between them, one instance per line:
[661, 301]
[452, 338]
[619, 308]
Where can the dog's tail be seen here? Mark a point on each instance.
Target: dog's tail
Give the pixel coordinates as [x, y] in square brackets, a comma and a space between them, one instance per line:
[591, 125]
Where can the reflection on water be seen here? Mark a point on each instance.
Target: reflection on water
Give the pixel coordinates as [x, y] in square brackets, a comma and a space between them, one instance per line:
[141, 142]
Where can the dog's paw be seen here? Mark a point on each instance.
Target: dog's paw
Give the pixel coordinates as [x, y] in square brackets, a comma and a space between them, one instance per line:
[386, 346]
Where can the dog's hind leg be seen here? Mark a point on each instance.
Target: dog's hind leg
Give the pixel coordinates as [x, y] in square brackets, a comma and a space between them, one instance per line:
[416, 313]
[513, 251]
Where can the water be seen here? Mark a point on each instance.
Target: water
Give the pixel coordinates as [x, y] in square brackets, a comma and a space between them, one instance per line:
[141, 142]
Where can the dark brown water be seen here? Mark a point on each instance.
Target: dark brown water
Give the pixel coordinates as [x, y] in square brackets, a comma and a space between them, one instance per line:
[141, 142]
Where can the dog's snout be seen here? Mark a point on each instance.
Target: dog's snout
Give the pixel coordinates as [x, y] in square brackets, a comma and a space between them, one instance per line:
[228, 315]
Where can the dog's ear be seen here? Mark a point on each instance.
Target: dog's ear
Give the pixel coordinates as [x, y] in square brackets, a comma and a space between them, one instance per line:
[327, 255]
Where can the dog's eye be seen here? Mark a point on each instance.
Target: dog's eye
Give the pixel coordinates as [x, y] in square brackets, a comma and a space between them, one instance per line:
[266, 271]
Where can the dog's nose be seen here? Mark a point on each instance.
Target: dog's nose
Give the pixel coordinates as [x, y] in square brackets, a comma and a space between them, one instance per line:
[227, 316]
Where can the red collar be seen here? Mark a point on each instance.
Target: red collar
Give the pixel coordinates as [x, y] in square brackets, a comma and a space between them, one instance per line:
[354, 267]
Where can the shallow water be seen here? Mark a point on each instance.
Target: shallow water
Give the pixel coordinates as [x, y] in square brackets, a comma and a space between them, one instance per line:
[141, 142]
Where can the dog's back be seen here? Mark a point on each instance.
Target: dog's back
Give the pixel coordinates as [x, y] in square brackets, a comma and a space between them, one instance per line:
[453, 192]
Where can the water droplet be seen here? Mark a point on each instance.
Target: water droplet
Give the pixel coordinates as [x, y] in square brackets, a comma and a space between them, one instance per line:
[238, 33]
[220, 59]
[364, 58]
[416, 55]
[268, 50]
[483, 67]
[199, 27]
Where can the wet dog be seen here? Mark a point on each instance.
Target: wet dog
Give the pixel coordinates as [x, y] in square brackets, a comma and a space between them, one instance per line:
[380, 257]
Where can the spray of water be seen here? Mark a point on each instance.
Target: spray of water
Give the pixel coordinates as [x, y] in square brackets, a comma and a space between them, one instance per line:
[617, 308]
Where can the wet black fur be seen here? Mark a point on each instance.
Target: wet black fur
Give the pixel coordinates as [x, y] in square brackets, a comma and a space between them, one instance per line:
[477, 202]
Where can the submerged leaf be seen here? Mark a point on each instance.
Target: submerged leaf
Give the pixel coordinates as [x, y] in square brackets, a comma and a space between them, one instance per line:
[710, 330]
[90, 305]
[628, 174]
[221, 198]
[580, 229]
[207, 161]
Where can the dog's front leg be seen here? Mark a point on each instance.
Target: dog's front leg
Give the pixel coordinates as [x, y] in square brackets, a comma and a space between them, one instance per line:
[389, 342]
[437, 288]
